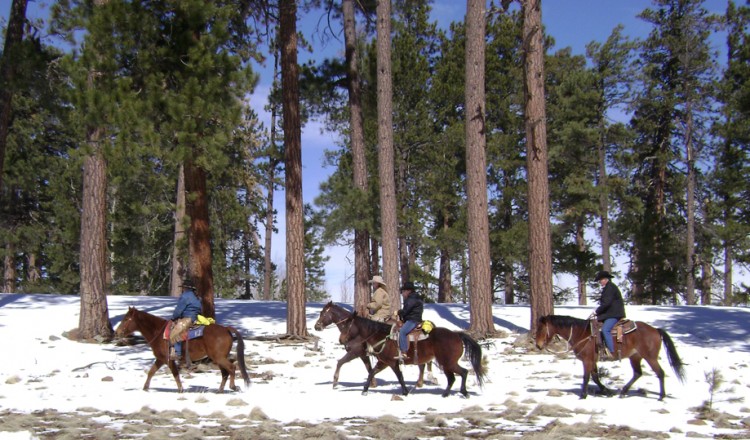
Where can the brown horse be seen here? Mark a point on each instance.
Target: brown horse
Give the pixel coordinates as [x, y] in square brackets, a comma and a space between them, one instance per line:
[334, 314]
[643, 343]
[216, 343]
[443, 346]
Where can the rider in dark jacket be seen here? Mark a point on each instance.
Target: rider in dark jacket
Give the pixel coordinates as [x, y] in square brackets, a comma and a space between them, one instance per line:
[611, 307]
[411, 315]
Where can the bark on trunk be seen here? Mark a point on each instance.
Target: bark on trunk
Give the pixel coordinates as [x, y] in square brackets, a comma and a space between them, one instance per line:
[386, 168]
[540, 248]
[94, 314]
[9, 269]
[199, 236]
[603, 187]
[690, 233]
[445, 288]
[359, 161]
[295, 229]
[581, 245]
[178, 264]
[480, 282]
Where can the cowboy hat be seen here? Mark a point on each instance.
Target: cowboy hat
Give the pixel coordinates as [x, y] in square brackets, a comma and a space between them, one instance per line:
[408, 286]
[377, 279]
[602, 274]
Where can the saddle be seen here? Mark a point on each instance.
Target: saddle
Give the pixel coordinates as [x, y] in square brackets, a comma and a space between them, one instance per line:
[420, 332]
[184, 329]
[622, 327]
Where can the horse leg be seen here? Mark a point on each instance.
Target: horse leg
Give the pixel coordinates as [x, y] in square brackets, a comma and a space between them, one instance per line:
[595, 377]
[654, 364]
[350, 354]
[172, 367]
[635, 363]
[380, 366]
[588, 367]
[400, 376]
[420, 381]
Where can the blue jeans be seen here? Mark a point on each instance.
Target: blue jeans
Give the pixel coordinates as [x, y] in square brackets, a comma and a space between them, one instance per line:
[607, 327]
[178, 348]
[405, 329]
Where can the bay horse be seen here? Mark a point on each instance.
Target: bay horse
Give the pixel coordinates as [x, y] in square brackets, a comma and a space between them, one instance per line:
[642, 343]
[444, 346]
[335, 314]
[216, 343]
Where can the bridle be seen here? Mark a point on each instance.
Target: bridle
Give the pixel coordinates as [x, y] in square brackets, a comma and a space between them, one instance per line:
[568, 343]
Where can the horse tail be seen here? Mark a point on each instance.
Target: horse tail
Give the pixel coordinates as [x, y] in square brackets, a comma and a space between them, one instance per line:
[473, 352]
[241, 355]
[674, 358]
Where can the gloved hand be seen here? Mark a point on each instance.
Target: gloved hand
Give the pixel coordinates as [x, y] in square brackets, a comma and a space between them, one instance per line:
[592, 315]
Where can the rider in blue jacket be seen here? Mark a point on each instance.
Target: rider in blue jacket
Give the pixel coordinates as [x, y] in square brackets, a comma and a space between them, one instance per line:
[188, 306]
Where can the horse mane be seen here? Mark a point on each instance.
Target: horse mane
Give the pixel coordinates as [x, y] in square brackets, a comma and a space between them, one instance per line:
[371, 326]
[563, 321]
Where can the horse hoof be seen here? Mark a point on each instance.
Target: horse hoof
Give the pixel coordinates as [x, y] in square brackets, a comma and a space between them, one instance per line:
[364, 393]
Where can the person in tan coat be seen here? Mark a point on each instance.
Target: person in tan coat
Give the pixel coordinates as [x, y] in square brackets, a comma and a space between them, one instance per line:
[380, 306]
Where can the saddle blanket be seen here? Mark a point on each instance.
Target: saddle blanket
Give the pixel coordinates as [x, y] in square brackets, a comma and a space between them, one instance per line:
[192, 333]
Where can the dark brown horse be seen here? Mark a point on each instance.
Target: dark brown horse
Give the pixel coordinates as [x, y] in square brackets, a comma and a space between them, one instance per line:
[334, 314]
[643, 343]
[215, 344]
[443, 346]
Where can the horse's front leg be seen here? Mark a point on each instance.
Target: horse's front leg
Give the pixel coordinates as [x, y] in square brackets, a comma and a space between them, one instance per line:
[350, 354]
[588, 366]
[595, 376]
[400, 376]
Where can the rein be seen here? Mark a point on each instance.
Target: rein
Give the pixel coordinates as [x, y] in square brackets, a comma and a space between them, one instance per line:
[157, 334]
[567, 341]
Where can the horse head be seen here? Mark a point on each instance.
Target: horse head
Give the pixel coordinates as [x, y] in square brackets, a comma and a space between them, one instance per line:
[543, 333]
[127, 325]
[326, 317]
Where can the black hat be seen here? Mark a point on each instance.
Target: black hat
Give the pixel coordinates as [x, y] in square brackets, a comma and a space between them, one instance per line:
[602, 274]
[408, 286]
[188, 284]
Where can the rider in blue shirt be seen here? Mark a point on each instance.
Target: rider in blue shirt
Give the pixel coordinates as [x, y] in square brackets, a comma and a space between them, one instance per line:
[188, 306]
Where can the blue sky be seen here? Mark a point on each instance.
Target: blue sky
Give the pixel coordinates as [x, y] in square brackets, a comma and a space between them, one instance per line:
[573, 23]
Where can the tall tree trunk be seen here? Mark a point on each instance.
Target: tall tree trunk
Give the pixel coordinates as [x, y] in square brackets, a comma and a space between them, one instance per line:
[375, 257]
[602, 185]
[267, 264]
[33, 273]
[510, 297]
[480, 280]
[386, 167]
[199, 236]
[727, 300]
[178, 264]
[690, 233]
[273, 161]
[13, 38]
[706, 278]
[445, 288]
[540, 247]
[9, 269]
[94, 314]
[581, 245]
[359, 161]
[296, 322]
